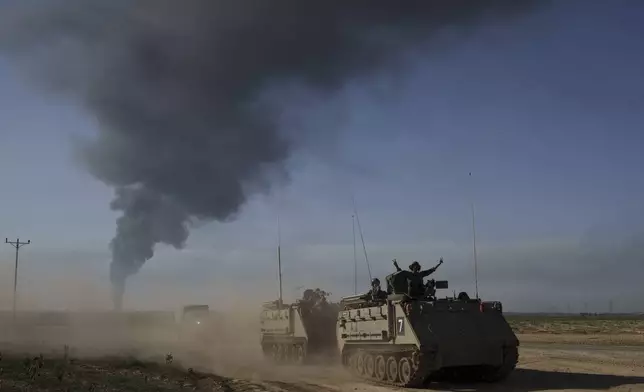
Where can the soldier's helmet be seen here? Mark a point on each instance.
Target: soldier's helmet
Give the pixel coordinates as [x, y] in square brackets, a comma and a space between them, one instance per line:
[375, 282]
[308, 294]
[414, 266]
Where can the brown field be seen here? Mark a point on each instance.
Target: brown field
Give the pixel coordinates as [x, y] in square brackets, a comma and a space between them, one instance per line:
[590, 330]
[577, 325]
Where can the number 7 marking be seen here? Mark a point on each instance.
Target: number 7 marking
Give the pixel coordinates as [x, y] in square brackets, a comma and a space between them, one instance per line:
[401, 326]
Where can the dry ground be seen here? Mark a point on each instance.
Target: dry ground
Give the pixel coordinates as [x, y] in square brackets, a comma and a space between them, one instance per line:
[106, 374]
[578, 325]
[584, 330]
[562, 354]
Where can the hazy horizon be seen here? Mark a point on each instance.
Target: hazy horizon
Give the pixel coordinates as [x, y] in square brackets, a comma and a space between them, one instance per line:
[545, 110]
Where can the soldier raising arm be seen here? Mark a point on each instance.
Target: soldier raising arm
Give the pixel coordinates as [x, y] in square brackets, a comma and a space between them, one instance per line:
[398, 269]
[415, 268]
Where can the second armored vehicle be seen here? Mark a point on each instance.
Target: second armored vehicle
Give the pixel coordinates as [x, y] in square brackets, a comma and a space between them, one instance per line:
[410, 340]
[293, 333]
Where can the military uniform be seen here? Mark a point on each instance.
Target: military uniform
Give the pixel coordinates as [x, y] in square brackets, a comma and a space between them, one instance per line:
[375, 294]
[415, 276]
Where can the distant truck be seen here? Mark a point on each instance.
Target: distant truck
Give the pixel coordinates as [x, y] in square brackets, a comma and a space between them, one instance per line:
[198, 326]
[194, 314]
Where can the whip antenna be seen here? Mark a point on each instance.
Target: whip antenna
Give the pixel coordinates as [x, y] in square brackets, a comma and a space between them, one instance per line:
[279, 259]
[476, 271]
[364, 248]
[355, 257]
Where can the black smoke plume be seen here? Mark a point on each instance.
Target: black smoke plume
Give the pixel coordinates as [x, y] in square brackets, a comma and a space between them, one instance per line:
[175, 88]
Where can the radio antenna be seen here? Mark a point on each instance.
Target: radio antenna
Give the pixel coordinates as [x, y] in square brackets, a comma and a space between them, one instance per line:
[476, 271]
[355, 257]
[364, 248]
[279, 259]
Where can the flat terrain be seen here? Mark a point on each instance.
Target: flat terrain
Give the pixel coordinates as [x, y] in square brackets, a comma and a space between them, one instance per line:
[577, 325]
[556, 368]
[557, 354]
[107, 374]
[584, 330]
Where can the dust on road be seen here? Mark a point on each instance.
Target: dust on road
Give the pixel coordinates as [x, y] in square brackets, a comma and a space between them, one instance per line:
[550, 363]
[541, 368]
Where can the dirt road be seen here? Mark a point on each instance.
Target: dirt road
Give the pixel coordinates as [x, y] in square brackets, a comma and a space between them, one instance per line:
[543, 367]
[547, 363]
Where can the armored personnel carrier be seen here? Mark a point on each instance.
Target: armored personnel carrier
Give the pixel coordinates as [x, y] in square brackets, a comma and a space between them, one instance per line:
[293, 333]
[410, 340]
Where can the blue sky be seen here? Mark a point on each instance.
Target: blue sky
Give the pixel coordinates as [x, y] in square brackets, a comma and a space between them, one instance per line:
[545, 111]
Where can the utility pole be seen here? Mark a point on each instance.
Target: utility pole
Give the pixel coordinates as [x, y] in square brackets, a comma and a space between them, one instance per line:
[16, 244]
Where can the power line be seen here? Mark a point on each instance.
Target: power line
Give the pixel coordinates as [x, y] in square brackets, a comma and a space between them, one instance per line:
[16, 244]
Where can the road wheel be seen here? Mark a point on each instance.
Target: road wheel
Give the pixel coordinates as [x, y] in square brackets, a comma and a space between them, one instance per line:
[380, 368]
[360, 364]
[299, 354]
[289, 352]
[267, 351]
[404, 370]
[352, 362]
[275, 352]
[392, 369]
[280, 353]
[368, 365]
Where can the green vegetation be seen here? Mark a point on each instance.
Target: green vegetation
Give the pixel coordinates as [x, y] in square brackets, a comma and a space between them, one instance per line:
[107, 374]
[577, 324]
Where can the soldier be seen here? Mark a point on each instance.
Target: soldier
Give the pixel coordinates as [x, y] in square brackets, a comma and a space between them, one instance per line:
[415, 280]
[308, 301]
[416, 269]
[308, 295]
[376, 293]
[320, 299]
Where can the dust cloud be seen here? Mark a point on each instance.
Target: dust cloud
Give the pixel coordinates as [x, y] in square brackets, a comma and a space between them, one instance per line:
[76, 312]
[228, 347]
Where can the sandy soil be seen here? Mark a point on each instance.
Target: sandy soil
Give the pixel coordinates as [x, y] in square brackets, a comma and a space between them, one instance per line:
[542, 367]
[549, 367]
[548, 362]
[595, 340]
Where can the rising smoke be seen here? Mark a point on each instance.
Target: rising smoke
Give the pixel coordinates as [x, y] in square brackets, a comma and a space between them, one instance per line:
[175, 88]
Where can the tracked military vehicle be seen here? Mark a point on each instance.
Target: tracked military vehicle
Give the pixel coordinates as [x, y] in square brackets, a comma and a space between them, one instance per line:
[294, 333]
[409, 340]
